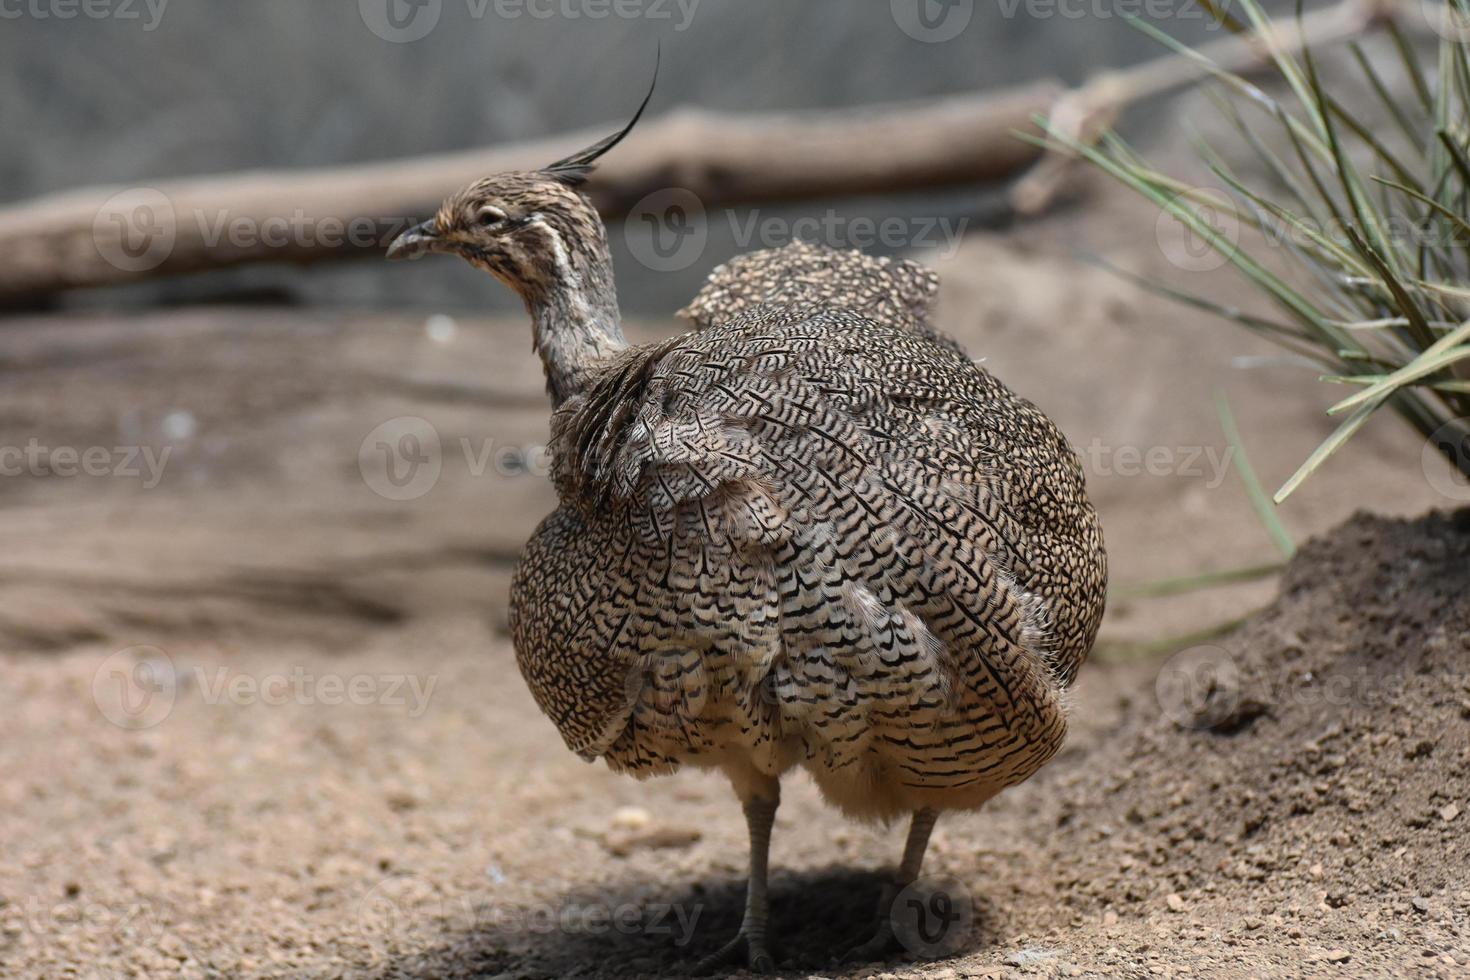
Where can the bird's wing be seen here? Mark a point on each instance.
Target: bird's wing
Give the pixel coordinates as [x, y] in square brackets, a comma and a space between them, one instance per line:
[811, 529]
[891, 290]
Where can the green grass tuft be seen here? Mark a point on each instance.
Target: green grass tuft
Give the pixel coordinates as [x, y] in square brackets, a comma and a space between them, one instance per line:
[1375, 284]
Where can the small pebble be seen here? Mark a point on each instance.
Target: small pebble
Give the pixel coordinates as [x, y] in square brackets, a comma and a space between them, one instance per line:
[661, 838]
[631, 818]
[1025, 957]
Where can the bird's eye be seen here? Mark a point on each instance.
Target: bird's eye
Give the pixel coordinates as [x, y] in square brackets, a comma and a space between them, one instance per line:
[489, 216]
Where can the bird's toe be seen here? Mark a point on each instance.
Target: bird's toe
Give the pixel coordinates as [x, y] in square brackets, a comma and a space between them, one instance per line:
[740, 951]
[878, 946]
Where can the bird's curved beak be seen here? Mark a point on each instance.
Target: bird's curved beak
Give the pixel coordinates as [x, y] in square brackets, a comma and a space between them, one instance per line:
[417, 242]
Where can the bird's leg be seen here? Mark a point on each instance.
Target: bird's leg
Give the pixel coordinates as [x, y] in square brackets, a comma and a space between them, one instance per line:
[759, 796]
[920, 827]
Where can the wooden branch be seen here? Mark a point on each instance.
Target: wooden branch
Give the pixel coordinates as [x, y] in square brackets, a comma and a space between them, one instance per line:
[110, 236]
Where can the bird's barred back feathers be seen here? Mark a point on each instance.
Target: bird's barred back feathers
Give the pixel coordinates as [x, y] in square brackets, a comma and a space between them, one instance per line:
[812, 534]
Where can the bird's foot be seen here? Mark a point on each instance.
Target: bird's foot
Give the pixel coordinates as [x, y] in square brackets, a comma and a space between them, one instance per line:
[876, 948]
[745, 949]
[883, 940]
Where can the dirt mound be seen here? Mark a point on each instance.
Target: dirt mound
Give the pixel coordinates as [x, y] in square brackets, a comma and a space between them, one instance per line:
[1302, 787]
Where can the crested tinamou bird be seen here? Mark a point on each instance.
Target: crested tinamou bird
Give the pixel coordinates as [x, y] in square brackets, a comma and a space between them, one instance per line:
[811, 532]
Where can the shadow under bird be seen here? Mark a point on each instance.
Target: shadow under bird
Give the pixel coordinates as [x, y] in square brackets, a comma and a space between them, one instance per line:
[810, 532]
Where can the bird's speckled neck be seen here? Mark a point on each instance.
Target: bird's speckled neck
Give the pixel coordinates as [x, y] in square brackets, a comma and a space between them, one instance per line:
[574, 314]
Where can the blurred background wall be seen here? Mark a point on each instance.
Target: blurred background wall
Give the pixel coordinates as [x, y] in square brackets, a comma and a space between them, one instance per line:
[127, 91]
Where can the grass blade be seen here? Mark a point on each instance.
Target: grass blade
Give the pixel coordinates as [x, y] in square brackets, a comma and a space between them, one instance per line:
[1330, 445]
[1265, 509]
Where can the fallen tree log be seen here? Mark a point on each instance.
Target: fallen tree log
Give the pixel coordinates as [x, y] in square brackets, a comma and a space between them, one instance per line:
[115, 235]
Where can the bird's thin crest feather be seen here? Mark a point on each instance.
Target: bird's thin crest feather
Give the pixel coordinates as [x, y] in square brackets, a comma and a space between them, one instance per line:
[573, 170]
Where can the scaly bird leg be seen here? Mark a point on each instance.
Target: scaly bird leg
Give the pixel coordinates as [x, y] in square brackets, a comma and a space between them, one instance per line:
[759, 796]
[908, 872]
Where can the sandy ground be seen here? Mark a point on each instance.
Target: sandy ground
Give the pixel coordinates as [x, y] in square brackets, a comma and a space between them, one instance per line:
[263, 718]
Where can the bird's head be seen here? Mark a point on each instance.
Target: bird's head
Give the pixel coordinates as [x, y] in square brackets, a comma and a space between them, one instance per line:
[528, 229]
[533, 230]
